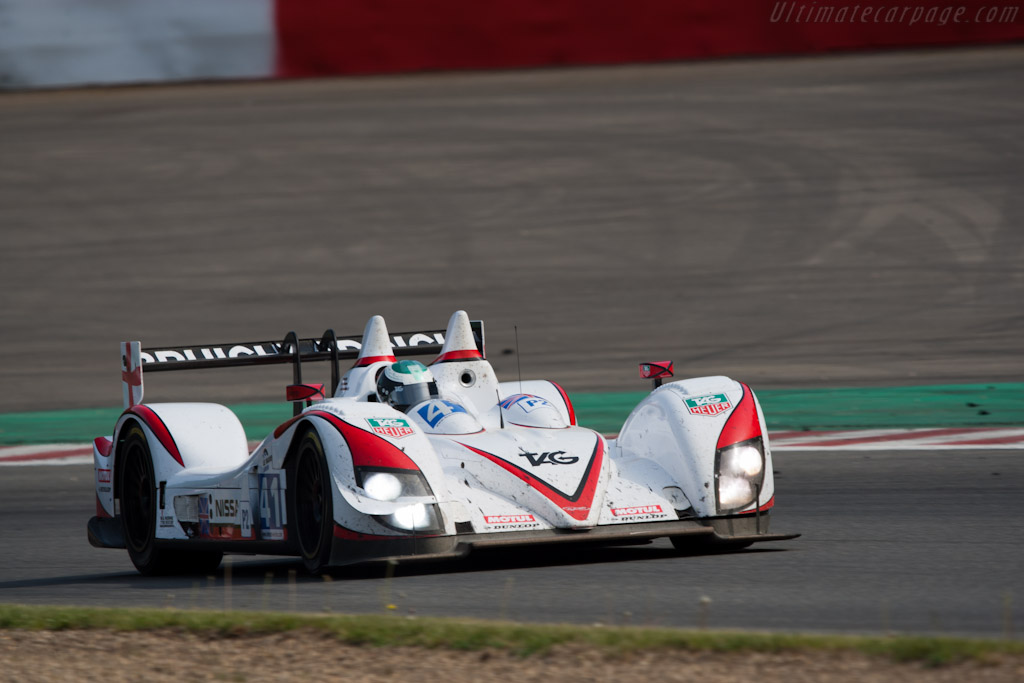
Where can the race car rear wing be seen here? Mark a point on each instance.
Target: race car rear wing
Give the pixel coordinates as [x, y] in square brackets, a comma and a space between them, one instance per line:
[294, 350]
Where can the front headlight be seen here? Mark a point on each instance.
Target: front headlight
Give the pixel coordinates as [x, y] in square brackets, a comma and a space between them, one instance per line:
[739, 474]
[416, 517]
[391, 484]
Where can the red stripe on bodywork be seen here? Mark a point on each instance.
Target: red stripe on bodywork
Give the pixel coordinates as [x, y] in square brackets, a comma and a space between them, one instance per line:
[100, 512]
[568, 403]
[284, 427]
[368, 450]
[103, 445]
[370, 360]
[742, 425]
[767, 506]
[159, 429]
[466, 354]
[577, 505]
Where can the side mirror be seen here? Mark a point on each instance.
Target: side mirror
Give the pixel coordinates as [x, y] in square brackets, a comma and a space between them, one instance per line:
[656, 371]
[304, 392]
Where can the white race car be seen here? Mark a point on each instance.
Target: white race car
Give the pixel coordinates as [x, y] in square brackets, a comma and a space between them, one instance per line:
[406, 461]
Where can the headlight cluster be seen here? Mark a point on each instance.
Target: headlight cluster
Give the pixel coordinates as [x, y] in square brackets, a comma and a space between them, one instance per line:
[390, 484]
[386, 485]
[739, 474]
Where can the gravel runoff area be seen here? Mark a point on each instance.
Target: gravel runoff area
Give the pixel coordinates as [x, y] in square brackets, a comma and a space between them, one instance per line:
[97, 655]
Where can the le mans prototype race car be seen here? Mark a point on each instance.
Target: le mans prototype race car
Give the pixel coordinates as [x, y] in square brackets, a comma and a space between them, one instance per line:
[409, 462]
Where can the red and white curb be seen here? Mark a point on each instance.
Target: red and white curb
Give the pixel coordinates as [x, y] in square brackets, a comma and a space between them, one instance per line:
[46, 454]
[960, 438]
[965, 438]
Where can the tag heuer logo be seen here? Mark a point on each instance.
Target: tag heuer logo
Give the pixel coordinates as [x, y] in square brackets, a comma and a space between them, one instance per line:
[391, 427]
[712, 404]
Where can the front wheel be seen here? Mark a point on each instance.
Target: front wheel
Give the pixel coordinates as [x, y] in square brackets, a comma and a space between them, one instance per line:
[312, 519]
[138, 516]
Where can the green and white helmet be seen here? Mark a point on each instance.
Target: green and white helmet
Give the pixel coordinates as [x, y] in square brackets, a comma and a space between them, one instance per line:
[405, 384]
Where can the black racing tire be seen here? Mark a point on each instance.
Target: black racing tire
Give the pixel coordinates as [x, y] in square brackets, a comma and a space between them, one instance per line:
[137, 486]
[311, 519]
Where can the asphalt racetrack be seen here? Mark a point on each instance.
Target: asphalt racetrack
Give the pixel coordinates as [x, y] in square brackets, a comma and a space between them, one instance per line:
[907, 542]
[830, 221]
[836, 221]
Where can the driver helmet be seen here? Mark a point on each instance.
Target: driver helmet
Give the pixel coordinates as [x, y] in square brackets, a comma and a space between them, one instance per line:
[406, 383]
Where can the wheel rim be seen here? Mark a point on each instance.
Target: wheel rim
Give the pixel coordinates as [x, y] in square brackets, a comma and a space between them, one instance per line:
[137, 499]
[311, 501]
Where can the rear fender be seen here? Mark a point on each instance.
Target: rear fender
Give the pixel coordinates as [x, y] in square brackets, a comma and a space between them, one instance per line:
[185, 436]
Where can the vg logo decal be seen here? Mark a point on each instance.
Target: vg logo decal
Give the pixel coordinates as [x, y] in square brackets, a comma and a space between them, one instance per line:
[550, 457]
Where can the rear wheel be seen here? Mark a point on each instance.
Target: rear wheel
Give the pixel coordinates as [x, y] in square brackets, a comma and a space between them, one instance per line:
[312, 519]
[138, 516]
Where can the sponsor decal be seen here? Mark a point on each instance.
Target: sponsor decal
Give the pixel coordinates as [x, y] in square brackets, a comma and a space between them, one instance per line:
[391, 427]
[710, 405]
[104, 489]
[434, 411]
[526, 402]
[103, 476]
[549, 457]
[245, 519]
[266, 459]
[204, 516]
[637, 511]
[225, 510]
[192, 353]
[508, 519]
[272, 512]
[166, 521]
[511, 522]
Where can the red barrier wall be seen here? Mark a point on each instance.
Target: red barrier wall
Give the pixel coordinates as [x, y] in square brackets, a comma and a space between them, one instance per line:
[322, 37]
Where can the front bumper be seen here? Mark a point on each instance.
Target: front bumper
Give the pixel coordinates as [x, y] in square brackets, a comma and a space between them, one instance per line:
[737, 530]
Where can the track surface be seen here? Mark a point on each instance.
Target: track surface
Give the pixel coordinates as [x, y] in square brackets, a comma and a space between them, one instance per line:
[837, 221]
[848, 220]
[921, 542]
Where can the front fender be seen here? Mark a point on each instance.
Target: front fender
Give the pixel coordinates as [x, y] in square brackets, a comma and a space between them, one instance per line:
[678, 427]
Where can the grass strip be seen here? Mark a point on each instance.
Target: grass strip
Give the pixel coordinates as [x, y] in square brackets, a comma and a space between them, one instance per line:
[522, 639]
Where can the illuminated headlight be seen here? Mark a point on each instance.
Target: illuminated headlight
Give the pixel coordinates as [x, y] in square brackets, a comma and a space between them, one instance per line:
[417, 517]
[741, 461]
[382, 486]
[740, 474]
[387, 485]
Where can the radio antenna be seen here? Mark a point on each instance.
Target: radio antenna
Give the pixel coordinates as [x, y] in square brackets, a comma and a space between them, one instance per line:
[518, 364]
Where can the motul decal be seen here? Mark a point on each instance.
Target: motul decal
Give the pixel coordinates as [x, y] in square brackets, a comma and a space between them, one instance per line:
[511, 522]
[103, 476]
[637, 511]
[508, 519]
[711, 404]
[391, 427]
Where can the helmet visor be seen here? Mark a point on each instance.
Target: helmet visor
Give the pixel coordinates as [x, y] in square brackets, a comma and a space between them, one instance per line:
[405, 395]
